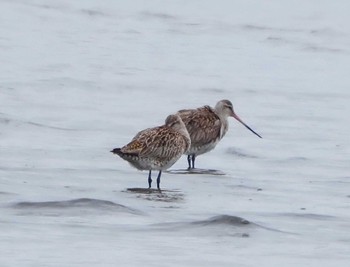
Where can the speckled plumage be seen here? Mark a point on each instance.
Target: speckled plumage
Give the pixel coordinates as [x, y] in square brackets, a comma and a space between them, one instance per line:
[157, 148]
[207, 126]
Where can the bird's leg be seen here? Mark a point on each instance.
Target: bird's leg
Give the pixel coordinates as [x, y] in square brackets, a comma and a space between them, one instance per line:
[158, 179]
[193, 159]
[149, 179]
[189, 161]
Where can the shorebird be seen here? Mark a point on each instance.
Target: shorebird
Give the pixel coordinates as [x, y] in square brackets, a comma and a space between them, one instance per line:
[207, 126]
[157, 148]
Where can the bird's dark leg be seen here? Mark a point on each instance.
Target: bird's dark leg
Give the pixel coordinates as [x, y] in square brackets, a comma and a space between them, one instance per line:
[189, 161]
[193, 159]
[158, 179]
[149, 179]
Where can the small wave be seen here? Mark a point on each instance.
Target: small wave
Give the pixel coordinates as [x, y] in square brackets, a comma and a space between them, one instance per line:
[223, 220]
[49, 126]
[312, 216]
[234, 222]
[239, 153]
[93, 13]
[219, 220]
[159, 16]
[36, 124]
[85, 203]
[252, 27]
[225, 225]
[323, 49]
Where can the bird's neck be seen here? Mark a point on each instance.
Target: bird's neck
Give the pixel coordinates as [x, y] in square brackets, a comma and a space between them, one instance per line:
[183, 131]
[224, 124]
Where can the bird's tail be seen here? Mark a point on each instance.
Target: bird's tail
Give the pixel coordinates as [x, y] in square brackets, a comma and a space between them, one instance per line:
[131, 157]
[116, 151]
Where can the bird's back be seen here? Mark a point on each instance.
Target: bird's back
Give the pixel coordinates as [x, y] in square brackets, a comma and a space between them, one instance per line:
[204, 127]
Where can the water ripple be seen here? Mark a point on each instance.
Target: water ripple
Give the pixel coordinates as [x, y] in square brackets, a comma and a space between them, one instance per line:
[80, 203]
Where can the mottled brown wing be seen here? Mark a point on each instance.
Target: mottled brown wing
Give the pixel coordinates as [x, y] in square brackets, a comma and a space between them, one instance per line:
[139, 142]
[202, 124]
[163, 144]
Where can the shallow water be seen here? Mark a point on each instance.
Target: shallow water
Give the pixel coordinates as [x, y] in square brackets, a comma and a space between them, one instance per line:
[80, 78]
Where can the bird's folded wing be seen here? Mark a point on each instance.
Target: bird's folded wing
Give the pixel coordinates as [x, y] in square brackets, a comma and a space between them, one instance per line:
[163, 144]
[202, 124]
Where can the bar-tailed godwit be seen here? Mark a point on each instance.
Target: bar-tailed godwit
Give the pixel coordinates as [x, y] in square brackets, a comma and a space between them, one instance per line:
[207, 126]
[157, 148]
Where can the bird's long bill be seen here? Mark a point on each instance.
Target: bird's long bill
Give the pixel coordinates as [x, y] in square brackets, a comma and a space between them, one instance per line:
[238, 118]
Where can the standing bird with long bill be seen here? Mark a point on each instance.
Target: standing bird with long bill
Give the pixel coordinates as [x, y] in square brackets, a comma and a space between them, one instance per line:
[206, 127]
